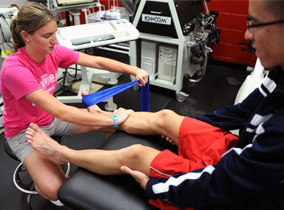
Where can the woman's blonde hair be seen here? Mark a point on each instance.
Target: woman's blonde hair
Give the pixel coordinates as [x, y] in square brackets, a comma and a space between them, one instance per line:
[30, 17]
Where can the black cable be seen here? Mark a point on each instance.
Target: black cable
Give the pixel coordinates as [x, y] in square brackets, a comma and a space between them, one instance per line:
[76, 70]
[64, 77]
[63, 82]
[5, 41]
[107, 9]
[67, 18]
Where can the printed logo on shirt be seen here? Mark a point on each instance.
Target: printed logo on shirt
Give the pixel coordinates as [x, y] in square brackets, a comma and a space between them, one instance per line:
[50, 89]
[47, 80]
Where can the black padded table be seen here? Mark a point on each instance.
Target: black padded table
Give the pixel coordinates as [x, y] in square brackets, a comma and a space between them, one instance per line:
[87, 190]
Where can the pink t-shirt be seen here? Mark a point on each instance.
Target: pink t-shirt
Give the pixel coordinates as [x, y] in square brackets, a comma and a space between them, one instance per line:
[21, 75]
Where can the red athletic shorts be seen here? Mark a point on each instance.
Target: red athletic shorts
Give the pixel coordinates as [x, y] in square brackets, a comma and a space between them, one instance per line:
[200, 145]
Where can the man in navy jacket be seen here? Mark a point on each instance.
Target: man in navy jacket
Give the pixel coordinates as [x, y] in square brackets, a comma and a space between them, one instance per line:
[250, 175]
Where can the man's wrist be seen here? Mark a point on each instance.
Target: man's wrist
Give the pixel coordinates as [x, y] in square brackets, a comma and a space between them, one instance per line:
[115, 119]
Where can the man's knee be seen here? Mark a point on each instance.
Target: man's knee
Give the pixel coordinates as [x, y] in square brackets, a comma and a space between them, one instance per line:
[165, 113]
[162, 118]
[132, 151]
[132, 155]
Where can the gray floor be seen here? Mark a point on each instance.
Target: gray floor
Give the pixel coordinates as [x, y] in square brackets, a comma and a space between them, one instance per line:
[211, 93]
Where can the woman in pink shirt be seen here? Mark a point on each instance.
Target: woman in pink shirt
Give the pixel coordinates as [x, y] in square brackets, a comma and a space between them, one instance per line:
[27, 82]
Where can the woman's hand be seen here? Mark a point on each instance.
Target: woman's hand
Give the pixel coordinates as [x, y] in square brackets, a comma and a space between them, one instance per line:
[122, 114]
[142, 76]
[139, 176]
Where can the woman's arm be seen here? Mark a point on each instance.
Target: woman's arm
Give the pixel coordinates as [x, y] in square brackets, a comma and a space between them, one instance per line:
[113, 66]
[71, 114]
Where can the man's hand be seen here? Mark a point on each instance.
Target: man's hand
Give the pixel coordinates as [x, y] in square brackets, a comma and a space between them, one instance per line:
[168, 140]
[139, 176]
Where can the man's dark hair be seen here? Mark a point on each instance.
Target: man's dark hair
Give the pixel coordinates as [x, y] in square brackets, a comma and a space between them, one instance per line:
[275, 7]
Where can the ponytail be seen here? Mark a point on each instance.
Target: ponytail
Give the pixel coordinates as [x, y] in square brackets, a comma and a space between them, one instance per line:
[16, 36]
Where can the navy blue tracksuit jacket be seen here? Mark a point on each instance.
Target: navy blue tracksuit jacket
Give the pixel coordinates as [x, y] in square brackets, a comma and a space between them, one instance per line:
[249, 176]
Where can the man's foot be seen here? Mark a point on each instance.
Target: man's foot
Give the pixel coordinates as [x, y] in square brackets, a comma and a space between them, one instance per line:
[42, 143]
[93, 109]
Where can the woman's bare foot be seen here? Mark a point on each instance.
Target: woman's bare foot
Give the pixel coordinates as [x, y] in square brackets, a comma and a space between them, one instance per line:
[42, 143]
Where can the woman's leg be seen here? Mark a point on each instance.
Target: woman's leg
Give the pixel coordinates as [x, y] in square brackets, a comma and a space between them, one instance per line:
[46, 174]
[99, 161]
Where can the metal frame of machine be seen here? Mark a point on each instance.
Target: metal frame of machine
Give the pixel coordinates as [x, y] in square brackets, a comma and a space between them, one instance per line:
[7, 13]
[60, 5]
[185, 35]
[87, 74]
[111, 32]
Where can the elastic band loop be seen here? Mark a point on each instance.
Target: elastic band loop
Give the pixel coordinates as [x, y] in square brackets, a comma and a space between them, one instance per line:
[99, 96]
[145, 99]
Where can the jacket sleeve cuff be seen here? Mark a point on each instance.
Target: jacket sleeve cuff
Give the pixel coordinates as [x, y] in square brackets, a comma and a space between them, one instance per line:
[149, 189]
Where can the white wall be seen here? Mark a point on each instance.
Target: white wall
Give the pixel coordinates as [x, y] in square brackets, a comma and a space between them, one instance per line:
[20, 3]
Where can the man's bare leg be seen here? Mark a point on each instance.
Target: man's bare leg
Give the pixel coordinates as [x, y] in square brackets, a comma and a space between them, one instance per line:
[166, 123]
[137, 157]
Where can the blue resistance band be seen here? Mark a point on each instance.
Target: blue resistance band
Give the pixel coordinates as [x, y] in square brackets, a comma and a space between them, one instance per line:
[94, 98]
